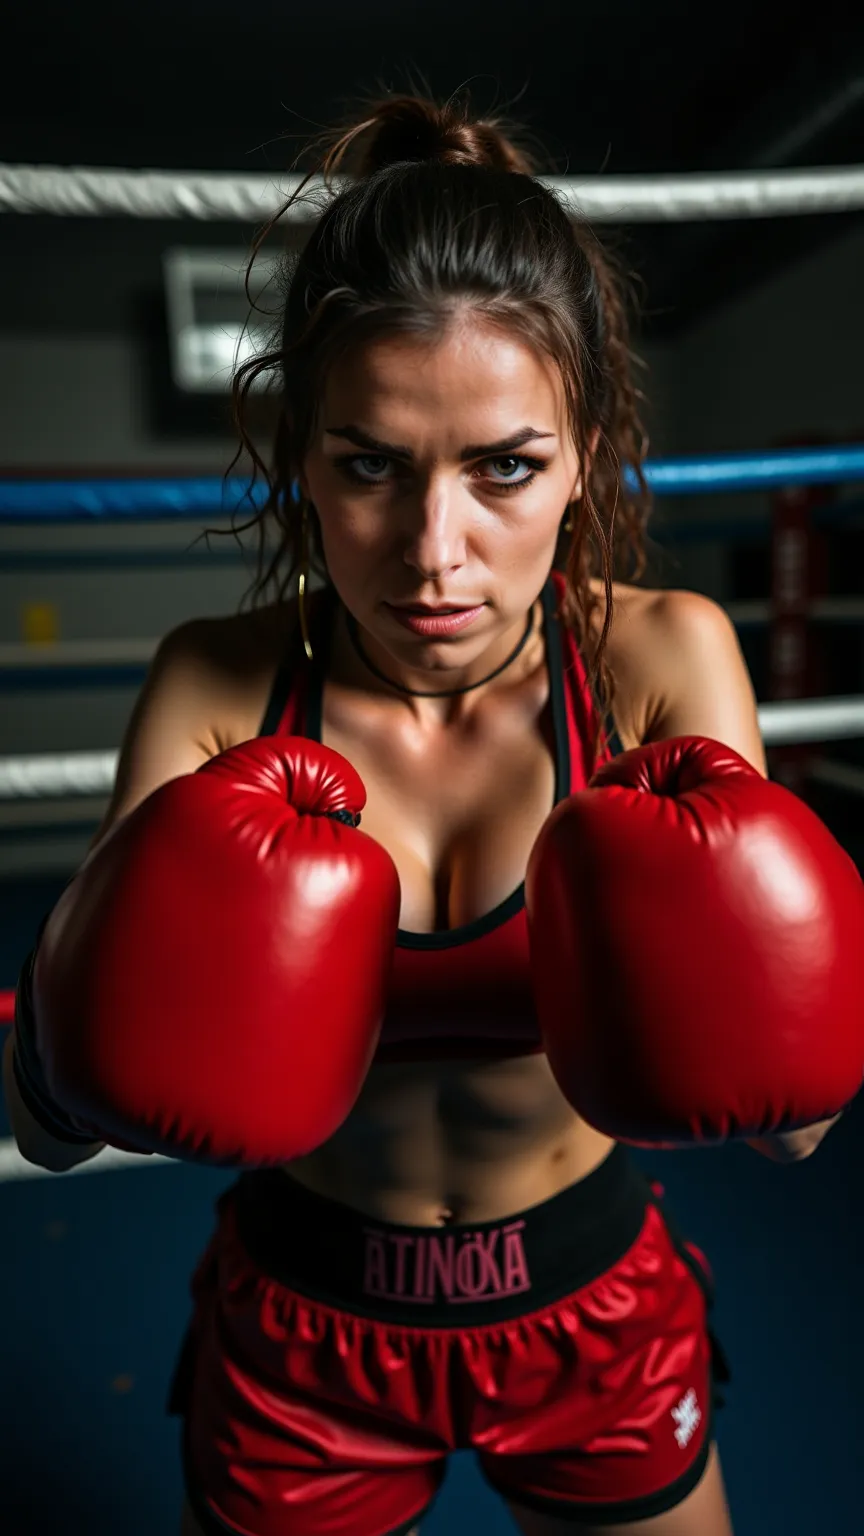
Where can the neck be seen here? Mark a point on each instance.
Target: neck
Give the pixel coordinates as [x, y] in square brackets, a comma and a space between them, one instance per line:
[441, 695]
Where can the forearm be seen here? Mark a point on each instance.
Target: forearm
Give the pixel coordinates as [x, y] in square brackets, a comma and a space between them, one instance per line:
[793, 1146]
[34, 1142]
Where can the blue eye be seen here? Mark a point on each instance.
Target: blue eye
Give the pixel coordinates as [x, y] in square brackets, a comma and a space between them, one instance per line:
[369, 467]
[378, 469]
[513, 464]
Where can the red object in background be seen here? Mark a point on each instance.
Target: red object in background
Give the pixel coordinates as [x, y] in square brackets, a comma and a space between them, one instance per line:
[798, 579]
[7, 1008]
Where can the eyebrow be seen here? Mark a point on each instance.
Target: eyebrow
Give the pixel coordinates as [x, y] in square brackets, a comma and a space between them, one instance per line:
[509, 444]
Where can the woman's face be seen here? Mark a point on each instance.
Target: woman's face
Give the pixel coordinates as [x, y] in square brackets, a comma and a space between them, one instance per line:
[440, 471]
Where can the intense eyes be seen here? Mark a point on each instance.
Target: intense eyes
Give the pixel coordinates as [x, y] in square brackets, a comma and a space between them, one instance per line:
[510, 472]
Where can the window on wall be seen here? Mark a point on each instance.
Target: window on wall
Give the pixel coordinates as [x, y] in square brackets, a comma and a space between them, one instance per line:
[211, 326]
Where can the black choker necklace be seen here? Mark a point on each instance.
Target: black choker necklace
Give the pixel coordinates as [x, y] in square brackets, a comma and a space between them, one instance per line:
[444, 693]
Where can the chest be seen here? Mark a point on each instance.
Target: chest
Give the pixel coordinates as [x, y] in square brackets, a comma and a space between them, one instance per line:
[458, 810]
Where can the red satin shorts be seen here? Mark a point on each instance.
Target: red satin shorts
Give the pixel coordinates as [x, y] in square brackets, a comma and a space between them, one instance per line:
[333, 1362]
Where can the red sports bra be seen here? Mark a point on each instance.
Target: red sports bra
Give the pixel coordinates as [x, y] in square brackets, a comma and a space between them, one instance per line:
[465, 992]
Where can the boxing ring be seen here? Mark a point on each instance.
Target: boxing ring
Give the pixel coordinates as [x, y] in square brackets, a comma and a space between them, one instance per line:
[35, 787]
[810, 493]
[82, 781]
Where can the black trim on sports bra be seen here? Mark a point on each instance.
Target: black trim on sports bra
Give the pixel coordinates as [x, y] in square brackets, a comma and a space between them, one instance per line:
[284, 682]
[322, 630]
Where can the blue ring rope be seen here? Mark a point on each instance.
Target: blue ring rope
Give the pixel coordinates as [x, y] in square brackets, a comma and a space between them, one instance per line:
[202, 497]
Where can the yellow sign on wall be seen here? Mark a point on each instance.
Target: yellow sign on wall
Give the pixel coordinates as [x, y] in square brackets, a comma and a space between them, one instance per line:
[40, 623]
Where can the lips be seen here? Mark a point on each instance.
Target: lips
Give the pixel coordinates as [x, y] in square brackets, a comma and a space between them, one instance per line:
[436, 622]
[427, 611]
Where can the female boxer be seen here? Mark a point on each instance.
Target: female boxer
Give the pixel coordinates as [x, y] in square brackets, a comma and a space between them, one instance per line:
[464, 1262]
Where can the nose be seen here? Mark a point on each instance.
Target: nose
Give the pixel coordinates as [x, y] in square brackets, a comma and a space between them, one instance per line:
[436, 534]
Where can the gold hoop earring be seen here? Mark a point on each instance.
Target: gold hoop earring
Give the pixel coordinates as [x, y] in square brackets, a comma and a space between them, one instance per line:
[303, 581]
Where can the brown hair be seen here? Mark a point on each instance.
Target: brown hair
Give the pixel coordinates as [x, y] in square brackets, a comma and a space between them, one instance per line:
[441, 211]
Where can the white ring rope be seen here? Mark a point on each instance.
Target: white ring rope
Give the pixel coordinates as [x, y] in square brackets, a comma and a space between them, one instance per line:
[811, 720]
[79, 192]
[14, 1166]
[57, 774]
[50, 774]
[822, 610]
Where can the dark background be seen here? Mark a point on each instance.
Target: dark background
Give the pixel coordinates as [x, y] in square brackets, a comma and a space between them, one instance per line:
[94, 1268]
[620, 87]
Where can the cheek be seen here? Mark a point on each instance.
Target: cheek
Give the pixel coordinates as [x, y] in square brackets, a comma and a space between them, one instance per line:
[356, 544]
[520, 525]
[346, 522]
[351, 533]
[532, 520]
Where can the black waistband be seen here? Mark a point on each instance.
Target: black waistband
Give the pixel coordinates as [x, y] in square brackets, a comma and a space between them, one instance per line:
[452, 1276]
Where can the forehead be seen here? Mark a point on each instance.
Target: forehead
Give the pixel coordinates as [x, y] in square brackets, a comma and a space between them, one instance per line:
[472, 370]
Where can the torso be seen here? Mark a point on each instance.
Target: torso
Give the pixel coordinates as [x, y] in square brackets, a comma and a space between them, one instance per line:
[458, 808]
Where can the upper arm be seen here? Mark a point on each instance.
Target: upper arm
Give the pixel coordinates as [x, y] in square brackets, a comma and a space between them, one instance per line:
[695, 676]
[173, 729]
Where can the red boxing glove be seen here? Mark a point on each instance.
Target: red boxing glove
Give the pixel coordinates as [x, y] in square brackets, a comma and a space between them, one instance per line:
[212, 984]
[697, 942]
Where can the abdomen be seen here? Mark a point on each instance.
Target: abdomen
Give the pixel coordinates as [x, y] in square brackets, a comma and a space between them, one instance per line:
[463, 1141]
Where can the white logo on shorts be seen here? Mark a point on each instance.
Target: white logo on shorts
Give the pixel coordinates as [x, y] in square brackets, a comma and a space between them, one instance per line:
[688, 1417]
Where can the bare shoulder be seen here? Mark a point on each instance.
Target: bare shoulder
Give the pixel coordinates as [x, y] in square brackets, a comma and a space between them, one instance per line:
[640, 635]
[650, 623]
[226, 665]
[207, 690]
[229, 643]
[679, 671]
